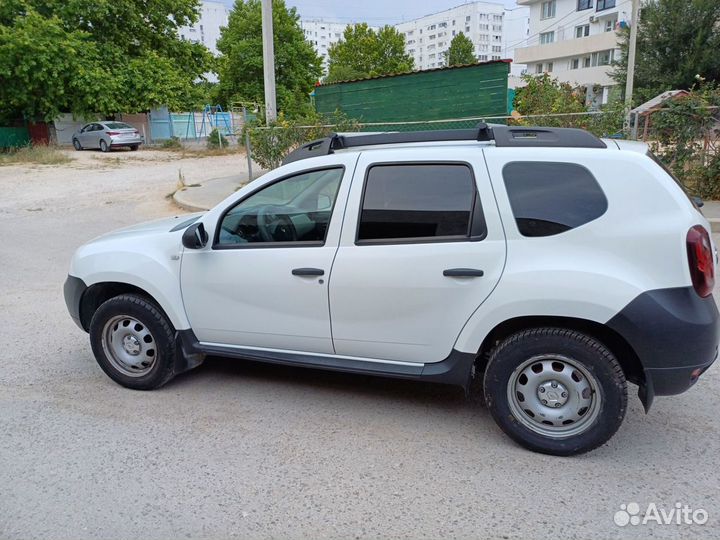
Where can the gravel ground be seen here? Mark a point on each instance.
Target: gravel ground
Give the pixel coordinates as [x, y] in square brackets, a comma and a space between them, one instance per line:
[247, 451]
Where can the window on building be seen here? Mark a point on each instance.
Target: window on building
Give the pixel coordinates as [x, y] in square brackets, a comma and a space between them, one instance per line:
[467, 19]
[467, 29]
[453, 22]
[483, 57]
[584, 4]
[602, 58]
[605, 4]
[575, 63]
[610, 24]
[538, 68]
[586, 62]
[552, 198]
[496, 48]
[582, 31]
[420, 202]
[547, 37]
[496, 58]
[549, 67]
[548, 9]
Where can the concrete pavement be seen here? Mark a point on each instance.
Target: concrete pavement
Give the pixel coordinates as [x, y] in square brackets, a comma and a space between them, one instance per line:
[205, 195]
[240, 450]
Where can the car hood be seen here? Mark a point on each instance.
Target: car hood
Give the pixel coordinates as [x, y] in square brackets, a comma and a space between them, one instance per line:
[172, 224]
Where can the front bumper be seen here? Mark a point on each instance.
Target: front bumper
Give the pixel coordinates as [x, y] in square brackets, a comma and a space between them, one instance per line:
[675, 335]
[73, 291]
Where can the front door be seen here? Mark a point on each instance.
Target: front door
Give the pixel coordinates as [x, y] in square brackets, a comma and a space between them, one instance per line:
[422, 248]
[263, 283]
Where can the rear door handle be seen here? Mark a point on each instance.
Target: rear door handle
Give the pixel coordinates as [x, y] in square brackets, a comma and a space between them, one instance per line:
[463, 272]
[308, 272]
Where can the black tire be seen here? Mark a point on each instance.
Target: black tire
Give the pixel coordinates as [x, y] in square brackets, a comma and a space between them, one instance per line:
[587, 353]
[162, 341]
[134, 147]
[104, 146]
[77, 145]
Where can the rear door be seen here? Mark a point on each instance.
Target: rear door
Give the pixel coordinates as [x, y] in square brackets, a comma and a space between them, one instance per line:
[422, 247]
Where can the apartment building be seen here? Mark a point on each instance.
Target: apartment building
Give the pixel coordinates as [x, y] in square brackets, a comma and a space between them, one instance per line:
[575, 41]
[322, 34]
[213, 16]
[428, 38]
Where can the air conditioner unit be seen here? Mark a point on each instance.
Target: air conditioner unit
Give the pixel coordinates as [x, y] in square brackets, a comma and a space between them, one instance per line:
[593, 18]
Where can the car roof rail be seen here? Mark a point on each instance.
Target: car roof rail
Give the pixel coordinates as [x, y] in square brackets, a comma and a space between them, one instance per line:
[520, 136]
[504, 136]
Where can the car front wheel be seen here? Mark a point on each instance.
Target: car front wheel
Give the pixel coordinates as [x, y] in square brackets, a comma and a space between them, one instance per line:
[77, 145]
[133, 342]
[555, 391]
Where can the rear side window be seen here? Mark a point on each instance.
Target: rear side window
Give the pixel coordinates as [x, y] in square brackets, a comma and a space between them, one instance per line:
[551, 198]
[420, 202]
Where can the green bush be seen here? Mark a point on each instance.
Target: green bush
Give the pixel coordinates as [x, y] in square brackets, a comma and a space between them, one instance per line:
[685, 136]
[171, 143]
[270, 144]
[217, 140]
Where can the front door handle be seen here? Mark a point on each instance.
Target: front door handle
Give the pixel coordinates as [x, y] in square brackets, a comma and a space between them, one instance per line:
[463, 272]
[308, 272]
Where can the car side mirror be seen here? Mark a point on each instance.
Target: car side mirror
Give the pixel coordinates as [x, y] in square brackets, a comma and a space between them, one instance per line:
[195, 236]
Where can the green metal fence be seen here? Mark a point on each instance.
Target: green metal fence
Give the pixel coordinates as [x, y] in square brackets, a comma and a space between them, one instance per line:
[13, 137]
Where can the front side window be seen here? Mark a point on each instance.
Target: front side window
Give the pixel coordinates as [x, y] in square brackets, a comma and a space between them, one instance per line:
[420, 202]
[294, 210]
[552, 198]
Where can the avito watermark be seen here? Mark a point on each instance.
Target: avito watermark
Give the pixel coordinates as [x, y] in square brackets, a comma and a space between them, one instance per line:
[679, 514]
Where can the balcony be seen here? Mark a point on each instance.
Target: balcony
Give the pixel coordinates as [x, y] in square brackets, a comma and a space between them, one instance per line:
[566, 48]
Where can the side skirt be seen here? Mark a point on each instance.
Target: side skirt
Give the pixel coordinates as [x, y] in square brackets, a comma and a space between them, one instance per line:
[454, 370]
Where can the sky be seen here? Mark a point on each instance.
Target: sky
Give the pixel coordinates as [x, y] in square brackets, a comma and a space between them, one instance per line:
[374, 12]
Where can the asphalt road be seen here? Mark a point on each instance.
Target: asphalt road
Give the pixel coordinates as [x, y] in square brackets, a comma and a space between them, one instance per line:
[246, 451]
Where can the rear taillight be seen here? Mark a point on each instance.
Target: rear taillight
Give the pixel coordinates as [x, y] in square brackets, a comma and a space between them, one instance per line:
[112, 133]
[700, 259]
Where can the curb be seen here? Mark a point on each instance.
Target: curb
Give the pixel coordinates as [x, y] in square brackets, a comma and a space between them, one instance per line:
[180, 199]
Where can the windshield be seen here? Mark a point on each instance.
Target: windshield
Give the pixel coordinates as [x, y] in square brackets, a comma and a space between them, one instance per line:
[117, 125]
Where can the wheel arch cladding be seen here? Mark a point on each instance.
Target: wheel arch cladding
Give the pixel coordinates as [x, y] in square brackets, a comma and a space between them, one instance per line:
[614, 341]
[98, 293]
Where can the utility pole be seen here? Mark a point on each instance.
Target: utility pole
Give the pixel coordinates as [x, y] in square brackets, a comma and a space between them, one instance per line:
[268, 62]
[634, 22]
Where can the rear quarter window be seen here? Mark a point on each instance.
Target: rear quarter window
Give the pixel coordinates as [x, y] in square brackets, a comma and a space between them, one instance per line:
[552, 198]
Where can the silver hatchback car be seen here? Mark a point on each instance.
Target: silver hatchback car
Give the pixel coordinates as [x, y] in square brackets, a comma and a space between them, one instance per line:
[107, 135]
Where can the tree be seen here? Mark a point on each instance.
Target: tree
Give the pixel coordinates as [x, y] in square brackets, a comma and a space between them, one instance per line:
[95, 56]
[461, 52]
[363, 52]
[677, 40]
[297, 65]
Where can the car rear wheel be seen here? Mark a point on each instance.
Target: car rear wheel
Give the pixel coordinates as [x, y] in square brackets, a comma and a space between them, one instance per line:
[133, 342]
[104, 146]
[77, 145]
[134, 147]
[555, 391]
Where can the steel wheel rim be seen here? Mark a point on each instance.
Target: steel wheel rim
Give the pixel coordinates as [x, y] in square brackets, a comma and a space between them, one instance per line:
[129, 346]
[571, 396]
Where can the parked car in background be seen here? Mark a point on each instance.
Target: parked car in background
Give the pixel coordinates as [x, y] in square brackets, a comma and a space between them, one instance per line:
[107, 135]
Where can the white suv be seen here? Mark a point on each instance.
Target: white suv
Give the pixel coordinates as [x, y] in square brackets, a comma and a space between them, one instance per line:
[548, 264]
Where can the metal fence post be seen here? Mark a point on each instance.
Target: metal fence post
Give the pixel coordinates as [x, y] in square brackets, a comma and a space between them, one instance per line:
[247, 144]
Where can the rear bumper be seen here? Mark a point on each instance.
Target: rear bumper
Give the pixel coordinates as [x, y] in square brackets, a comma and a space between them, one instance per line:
[117, 141]
[675, 334]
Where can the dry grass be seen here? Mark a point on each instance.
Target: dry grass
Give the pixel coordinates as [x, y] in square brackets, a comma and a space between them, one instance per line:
[38, 154]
